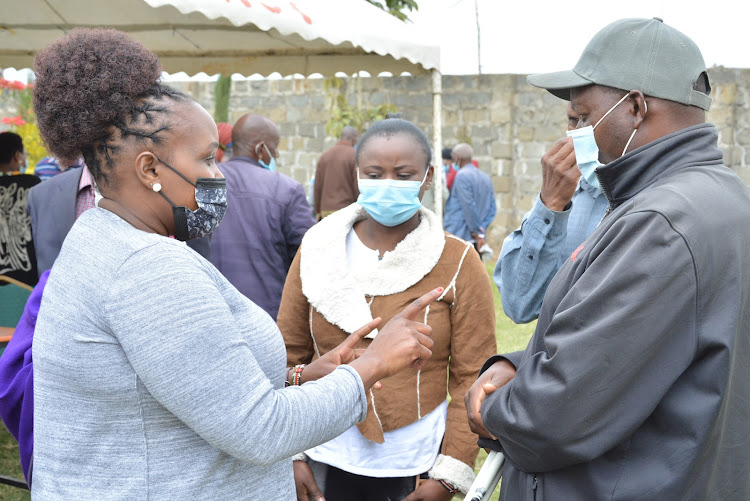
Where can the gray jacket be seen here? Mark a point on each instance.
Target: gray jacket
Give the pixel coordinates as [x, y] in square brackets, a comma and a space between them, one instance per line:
[636, 383]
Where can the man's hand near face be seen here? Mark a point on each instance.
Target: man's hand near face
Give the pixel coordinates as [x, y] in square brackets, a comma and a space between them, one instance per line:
[560, 175]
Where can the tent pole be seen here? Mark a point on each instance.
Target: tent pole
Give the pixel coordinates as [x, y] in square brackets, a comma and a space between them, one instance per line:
[437, 140]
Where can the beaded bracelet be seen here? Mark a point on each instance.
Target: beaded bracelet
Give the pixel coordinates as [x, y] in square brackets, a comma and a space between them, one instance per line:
[449, 486]
[297, 376]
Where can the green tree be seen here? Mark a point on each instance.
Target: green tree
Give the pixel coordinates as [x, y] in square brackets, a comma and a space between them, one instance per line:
[221, 98]
[342, 114]
[396, 7]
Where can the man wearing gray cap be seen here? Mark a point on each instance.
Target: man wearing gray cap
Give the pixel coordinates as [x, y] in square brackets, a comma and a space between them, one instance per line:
[636, 383]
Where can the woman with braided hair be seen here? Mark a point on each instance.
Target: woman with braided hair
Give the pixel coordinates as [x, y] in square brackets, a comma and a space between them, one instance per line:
[154, 378]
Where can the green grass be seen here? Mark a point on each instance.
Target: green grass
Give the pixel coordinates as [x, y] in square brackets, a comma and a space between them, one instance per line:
[10, 466]
[510, 337]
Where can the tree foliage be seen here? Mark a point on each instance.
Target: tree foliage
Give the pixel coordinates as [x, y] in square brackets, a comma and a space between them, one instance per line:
[396, 8]
[18, 96]
[341, 113]
[222, 92]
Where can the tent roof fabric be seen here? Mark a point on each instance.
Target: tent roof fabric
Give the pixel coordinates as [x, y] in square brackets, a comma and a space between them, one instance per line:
[233, 36]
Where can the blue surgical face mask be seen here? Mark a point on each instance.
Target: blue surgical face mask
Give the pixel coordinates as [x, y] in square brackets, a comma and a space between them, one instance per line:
[455, 166]
[390, 202]
[587, 151]
[271, 165]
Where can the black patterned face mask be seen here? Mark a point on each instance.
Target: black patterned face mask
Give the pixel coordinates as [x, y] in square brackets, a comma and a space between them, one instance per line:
[211, 197]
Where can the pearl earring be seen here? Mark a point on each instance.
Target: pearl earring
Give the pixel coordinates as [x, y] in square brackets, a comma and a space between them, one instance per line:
[156, 187]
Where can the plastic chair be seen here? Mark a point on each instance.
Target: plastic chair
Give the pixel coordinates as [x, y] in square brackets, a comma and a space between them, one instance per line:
[13, 297]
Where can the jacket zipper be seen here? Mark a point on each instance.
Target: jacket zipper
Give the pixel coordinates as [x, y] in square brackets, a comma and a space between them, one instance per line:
[534, 486]
[606, 194]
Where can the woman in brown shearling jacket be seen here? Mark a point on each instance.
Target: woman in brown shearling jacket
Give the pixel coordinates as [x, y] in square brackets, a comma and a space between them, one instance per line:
[368, 260]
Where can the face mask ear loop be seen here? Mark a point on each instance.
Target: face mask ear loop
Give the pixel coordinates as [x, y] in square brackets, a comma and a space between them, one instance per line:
[610, 110]
[175, 171]
[628, 143]
[270, 157]
[425, 176]
[167, 199]
[645, 110]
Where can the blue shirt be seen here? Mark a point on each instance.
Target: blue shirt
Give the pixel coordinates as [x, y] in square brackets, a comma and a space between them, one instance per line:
[533, 253]
[471, 205]
[49, 167]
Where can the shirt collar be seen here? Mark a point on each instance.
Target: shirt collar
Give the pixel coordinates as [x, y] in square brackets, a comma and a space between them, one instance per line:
[87, 180]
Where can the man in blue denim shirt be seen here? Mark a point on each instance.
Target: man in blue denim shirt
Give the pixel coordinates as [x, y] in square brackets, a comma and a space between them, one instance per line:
[471, 206]
[566, 211]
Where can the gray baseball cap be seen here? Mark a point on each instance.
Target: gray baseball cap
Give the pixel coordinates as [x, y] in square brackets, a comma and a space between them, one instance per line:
[641, 54]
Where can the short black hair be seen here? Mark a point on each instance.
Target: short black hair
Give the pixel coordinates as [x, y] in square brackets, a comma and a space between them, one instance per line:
[10, 144]
[447, 153]
[95, 89]
[395, 127]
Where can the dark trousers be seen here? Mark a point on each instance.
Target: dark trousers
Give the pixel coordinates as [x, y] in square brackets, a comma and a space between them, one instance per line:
[344, 486]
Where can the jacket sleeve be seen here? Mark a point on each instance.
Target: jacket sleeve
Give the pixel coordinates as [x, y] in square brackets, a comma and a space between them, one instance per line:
[298, 219]
[318, 187]
[17, 378]
[472, 342]
[463, 192]
[491, 210]
[201, 367]
[621, 336]
[352, 176]
[32, 210]
[529, 259]
[294, 319]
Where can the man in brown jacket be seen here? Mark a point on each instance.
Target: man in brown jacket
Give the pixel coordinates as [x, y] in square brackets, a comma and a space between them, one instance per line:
[335, 178]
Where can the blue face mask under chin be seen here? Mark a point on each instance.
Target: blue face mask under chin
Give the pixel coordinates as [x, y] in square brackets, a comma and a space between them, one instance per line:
[388, 201]
[271, 165]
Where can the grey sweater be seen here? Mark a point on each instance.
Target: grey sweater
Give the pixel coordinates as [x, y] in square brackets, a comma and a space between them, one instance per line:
[154, 378]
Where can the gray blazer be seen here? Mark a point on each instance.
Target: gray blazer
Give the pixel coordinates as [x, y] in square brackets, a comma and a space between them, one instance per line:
[52, 207]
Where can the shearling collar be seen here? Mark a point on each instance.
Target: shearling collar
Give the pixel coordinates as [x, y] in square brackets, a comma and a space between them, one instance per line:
[340, 296]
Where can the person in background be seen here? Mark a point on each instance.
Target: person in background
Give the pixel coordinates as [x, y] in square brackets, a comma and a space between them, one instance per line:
[225, 142]
[16, 245]
[153, 376]
[635, 382]
[370, 259]
[12, 154]
[449, 167]
[566, 211]
[335, 177]
[267, 216]
[49, 167]
[471, 205]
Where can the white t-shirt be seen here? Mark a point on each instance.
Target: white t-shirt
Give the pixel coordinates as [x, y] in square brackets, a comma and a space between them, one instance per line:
[407, 451]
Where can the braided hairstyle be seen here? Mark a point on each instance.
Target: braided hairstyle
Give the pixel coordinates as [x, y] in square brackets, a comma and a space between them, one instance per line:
[96, 89]
[395, 127]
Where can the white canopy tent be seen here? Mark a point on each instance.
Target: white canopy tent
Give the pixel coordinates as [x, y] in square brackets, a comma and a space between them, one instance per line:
[240, 36]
